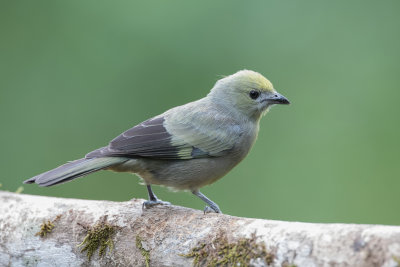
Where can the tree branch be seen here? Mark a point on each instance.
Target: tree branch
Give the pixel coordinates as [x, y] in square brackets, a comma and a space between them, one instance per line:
[54, 231]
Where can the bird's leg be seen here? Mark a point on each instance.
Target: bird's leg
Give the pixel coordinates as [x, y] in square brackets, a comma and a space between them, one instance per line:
[152, 196]
[211, 205]
[153, 200]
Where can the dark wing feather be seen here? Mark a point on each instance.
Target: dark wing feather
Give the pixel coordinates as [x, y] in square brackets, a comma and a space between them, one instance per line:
[148, 139]
[147, 136]
[182, 133]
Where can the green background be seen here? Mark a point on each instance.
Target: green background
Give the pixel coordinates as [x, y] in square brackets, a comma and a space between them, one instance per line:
[75, 74]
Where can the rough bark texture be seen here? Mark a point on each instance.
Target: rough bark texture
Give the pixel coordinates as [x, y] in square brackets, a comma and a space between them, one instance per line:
[163, 234]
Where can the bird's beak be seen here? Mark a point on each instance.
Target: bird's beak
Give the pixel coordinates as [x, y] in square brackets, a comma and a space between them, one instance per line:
[277, 98]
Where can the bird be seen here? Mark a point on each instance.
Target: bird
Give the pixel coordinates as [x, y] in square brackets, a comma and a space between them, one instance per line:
[188, 146]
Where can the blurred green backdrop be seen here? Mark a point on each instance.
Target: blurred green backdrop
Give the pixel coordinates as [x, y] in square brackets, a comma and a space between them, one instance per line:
[75, 74]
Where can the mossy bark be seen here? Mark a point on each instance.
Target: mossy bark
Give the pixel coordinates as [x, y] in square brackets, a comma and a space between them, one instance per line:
[123, 234]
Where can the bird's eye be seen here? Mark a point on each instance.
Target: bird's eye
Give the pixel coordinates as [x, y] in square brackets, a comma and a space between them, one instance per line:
[254, 94]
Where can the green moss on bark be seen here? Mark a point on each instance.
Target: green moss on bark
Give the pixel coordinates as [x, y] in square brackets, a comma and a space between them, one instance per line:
[221, 252]
[99, 237]
[145, 253]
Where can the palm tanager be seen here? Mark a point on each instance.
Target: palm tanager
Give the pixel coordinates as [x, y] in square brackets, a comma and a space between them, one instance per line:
[188, 146]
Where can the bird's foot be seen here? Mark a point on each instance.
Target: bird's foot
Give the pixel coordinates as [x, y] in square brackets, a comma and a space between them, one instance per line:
[211, 206]
[150, 203]
[209, 209]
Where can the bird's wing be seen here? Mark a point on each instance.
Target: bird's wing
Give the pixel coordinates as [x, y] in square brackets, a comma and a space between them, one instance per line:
[181, 133]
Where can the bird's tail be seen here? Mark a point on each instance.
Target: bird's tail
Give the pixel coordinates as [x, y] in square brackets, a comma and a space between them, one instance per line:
[73, 169]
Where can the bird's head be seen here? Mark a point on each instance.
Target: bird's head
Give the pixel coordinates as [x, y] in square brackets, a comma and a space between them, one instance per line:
[248, 92]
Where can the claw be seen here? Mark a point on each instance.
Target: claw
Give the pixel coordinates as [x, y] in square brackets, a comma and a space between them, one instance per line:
[209, 209]
[150, 203]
